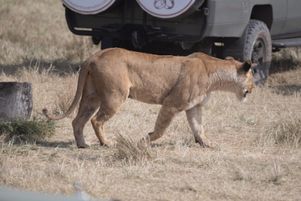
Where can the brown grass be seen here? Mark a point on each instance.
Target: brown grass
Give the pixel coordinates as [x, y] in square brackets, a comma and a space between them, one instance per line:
[131, 151]
[284, 132]
[245, 165]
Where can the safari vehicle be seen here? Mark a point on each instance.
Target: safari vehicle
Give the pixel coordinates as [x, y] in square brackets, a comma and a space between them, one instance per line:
[243, 29]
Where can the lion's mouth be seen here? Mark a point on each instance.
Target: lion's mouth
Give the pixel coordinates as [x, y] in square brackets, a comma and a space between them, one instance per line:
[245, 93]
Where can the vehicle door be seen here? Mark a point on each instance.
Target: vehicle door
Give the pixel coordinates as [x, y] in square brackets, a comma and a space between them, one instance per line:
[293, 20]
[279, 16]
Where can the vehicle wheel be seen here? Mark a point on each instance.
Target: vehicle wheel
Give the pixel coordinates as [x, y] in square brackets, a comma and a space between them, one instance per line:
[256, 45]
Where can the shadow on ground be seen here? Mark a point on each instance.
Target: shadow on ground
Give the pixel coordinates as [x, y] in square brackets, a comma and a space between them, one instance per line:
[41, 143]
[287, 90]
[58, 66]
[283, 65]
[55, 144]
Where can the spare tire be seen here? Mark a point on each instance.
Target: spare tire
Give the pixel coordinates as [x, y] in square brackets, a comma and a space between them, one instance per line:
[169, 8]
[88, 7]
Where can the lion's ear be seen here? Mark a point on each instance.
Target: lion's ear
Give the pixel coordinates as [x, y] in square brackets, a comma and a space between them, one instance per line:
[245, 67]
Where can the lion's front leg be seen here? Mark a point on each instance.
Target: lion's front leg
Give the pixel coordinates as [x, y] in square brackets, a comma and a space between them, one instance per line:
[194, 117]
[164, 119]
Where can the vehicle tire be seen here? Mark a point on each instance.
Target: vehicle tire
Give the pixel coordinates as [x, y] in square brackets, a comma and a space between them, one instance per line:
[256, 45]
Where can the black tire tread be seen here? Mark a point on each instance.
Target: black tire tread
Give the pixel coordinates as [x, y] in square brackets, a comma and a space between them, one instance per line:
[254, 27]
[242, 48]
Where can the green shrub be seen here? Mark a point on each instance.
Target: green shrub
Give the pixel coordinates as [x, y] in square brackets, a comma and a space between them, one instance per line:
[26, 130]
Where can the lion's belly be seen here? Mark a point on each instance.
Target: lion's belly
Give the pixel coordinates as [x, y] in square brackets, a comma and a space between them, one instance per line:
[151, 95]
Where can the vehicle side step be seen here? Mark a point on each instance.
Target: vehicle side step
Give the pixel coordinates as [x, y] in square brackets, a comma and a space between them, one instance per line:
[283, 43]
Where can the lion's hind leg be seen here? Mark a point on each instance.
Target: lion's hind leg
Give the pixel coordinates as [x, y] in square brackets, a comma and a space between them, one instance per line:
[109, 105]
[194, 117]
[98, 121]
[88, 106]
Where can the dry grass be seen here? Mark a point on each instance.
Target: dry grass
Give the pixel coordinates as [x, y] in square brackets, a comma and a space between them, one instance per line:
[131, 151]
[283, 132]
[246, 164]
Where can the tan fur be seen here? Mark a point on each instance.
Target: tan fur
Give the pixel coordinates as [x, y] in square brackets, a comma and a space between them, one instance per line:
[177, 83]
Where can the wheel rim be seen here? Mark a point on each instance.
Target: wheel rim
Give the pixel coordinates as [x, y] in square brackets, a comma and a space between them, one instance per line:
[259, 52]
[259, 57]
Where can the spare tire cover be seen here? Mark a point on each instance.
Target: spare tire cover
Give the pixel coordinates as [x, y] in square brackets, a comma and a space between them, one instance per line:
[168, 8]
[88, 7]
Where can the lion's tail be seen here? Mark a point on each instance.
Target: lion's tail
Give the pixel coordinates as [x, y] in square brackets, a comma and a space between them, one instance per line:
[83, 73]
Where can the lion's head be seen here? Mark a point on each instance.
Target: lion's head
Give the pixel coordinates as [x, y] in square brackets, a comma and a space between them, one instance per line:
[245, 79]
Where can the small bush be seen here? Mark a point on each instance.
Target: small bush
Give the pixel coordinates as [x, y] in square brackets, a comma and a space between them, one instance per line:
[131, 151]
[26, 130]
[284, 132]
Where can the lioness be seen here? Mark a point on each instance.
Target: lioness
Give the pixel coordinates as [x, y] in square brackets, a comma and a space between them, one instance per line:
[178, 83]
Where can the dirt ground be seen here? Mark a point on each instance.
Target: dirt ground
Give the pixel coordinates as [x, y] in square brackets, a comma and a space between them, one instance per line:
[247, 163]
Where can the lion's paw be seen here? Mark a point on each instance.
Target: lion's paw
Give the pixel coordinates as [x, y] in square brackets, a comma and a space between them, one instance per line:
[82, 146]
